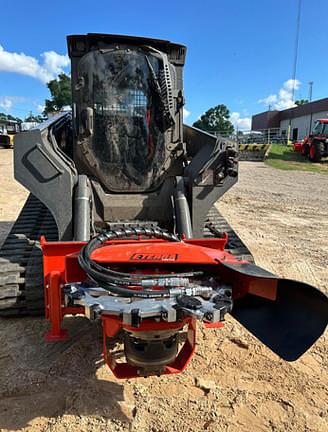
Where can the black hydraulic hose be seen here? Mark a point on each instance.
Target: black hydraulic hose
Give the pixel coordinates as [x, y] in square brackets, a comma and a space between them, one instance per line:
[144, 276]
[118, 282]
[120, 289]
[111, 235]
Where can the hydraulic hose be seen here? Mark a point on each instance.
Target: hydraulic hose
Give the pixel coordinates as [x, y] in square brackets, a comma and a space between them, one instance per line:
[119, 282]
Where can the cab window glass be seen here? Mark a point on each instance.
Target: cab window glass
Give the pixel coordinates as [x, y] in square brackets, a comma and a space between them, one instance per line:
[128, 139]
[325, 129]
[317, 128]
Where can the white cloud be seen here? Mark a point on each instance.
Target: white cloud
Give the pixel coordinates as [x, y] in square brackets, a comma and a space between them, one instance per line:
[288, 85]
[270, 100]
[240, 123]
[53, 64]
[186, 113]
[40, 108]
[283, 99]
[6, 103]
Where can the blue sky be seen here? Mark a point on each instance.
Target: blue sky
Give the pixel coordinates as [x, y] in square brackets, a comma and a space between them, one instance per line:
[240, 52]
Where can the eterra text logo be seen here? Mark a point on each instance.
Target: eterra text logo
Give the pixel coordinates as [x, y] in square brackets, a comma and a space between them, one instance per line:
[153, 257]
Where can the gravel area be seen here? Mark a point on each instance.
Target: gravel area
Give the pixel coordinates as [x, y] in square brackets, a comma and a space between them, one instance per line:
[233, 383]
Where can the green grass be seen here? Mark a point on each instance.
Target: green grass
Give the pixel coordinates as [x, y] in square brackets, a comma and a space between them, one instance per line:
[283, 157]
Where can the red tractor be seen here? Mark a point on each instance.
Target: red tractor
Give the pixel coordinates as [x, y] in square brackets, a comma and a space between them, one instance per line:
[315, 145]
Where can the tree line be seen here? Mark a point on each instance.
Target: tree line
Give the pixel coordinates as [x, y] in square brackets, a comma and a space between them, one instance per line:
[60, 90]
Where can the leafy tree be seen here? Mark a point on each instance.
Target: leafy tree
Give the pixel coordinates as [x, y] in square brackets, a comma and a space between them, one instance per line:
[216, 120]
[33, 118]
[4, 116]
[301, 102]
[60, 92]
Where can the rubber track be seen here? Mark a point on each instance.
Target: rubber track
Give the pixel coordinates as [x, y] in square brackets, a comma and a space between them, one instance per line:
[21, 268]
[235, 246]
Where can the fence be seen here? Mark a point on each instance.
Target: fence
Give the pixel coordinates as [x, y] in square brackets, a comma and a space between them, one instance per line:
[265, 136]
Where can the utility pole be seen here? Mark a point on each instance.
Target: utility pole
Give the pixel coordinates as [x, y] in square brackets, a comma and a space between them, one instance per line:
[310, 90]
[269, 128]
[298, 21]
[310, 99]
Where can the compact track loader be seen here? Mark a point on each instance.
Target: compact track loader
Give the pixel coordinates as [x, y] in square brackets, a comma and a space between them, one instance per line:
[121, 226]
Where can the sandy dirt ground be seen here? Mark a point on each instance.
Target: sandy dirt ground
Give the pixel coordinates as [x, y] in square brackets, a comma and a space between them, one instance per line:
[233, 383]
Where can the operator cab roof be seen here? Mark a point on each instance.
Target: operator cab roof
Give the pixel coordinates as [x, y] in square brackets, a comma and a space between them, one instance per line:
[80, 44]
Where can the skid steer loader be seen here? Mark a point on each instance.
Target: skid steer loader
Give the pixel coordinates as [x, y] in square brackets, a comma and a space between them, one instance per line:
[120, 224]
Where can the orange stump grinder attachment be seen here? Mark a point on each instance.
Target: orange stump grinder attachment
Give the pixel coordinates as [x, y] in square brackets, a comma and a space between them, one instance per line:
[156, 286]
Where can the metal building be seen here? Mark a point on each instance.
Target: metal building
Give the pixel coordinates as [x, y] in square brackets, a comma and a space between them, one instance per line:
[9, 126]
[274, 124]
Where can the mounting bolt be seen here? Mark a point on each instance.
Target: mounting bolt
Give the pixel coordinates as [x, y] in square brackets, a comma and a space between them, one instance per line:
[208, 316]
